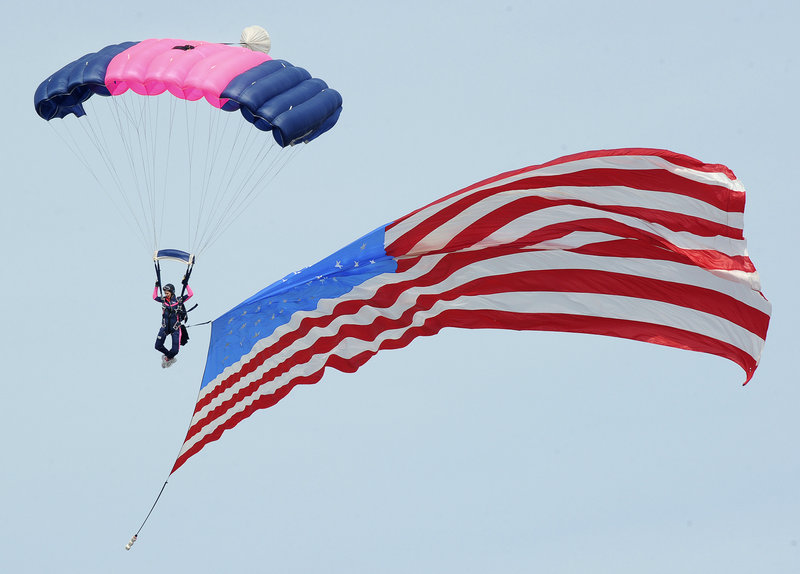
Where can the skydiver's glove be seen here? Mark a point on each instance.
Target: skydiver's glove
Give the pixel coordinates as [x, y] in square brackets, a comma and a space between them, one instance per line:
[184, 281]
[158, 284]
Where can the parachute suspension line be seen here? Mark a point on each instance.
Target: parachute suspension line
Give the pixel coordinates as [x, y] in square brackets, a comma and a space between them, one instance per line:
[122, 119]
[237, 146]
[190, 135]
[196, 215]
[224, 180]
[153, 120]
[160, 188]
[227, 190]
[174, 134]
[250, 185]
[147, 137]
[204, 175]
[234, 190]
[164, 178]
[214, 141]
[130, 126]
[72, 143]
[201, 187]
[134, 135]
[246, 192]
[146, 153]
[173, 107]
[263, 181]
[188, 182]
[93, 133]
[151, 151]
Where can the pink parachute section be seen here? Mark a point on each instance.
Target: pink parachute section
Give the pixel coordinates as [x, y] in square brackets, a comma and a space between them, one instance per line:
[189, 70]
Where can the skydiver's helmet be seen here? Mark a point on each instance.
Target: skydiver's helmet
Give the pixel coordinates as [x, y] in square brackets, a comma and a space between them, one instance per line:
[170, 287]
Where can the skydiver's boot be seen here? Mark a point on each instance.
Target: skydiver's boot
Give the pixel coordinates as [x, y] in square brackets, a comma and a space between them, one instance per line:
[169, 362]
[164, 361]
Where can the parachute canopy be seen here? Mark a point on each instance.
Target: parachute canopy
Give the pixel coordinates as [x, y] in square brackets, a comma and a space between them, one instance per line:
[271, 94]
[641, 244]
[151, 121]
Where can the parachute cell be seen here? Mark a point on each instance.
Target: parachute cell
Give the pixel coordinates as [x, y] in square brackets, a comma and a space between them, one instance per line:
[64, 92]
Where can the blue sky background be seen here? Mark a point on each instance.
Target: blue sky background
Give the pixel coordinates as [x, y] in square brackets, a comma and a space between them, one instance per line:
[464, 452]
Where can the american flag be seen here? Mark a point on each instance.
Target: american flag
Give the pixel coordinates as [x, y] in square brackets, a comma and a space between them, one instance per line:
[643, 244]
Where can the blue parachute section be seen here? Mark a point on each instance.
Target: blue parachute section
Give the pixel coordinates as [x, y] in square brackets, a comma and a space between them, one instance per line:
[278, 96]
[64, 92]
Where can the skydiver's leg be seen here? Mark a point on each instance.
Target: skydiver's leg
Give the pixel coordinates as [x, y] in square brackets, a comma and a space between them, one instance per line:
[176, 344]
[162, 335]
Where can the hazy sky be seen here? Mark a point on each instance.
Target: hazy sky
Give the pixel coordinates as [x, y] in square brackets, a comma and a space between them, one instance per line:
[482, 451]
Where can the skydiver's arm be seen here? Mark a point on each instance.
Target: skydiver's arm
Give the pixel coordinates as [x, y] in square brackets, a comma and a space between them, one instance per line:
[155, 294]
[188, 293]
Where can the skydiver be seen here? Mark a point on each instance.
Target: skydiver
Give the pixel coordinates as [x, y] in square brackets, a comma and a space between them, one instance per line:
[173, 313]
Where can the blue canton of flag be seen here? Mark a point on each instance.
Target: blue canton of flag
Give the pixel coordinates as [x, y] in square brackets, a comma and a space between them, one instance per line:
[234, 334]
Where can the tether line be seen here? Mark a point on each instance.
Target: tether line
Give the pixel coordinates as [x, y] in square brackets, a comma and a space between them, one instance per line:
[135, 536]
